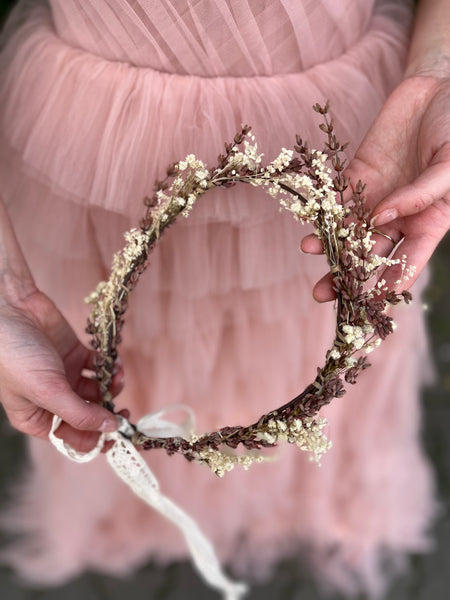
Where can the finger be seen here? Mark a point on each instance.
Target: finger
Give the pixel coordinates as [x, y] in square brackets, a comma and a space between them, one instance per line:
[40, 422]
[37, 422]
[91, 358]
[311, 244]
[418, 250]
[432, 185]
[124, 413]
[82, 441]
[79, 361]
[88, 389]
[118, 380]
[323, 290]
[87, 384]
[26, 417]
[57, 397]
[89, 362]
[386, 239]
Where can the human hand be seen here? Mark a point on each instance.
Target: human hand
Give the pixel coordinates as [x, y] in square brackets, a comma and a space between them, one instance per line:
[405, 162]
[44, 370]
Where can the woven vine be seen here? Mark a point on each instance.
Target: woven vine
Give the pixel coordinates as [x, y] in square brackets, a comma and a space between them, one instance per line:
[311, 185]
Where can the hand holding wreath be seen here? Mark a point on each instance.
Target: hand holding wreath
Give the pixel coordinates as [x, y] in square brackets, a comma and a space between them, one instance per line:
[405, 161]
[43, 366]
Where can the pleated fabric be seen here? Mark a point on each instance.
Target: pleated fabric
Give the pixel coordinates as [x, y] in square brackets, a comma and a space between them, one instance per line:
[96, 99]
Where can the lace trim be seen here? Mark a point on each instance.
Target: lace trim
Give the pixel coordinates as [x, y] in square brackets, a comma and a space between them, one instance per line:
[134, 471]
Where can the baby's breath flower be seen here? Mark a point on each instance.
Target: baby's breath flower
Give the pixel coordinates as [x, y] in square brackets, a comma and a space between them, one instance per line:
[306, 434]
[222, 462]
[350, 361]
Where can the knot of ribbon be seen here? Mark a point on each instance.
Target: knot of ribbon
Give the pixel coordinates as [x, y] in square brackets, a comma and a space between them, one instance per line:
[129, 465]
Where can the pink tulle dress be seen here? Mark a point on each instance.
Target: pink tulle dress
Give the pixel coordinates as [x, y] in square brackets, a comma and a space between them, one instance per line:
[97, 98]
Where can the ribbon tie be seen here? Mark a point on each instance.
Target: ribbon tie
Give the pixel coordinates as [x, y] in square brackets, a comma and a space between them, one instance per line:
[129, 465]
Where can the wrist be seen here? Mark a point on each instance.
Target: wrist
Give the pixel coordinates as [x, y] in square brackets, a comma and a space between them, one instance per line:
[14, 290]
[435, 63]
[429, 52]
[16, 281]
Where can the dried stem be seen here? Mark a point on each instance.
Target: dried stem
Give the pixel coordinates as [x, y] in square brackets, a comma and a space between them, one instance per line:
[303, 186]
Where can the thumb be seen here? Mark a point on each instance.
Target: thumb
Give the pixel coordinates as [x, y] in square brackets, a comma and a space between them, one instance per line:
[59, 399]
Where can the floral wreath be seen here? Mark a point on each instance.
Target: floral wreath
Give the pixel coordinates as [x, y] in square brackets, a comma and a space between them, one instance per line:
[305, 185]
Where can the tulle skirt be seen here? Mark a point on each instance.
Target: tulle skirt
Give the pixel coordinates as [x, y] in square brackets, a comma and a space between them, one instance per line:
[223, 320]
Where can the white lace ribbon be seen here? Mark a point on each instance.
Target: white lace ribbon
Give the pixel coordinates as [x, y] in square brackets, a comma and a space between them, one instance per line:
[134, 471]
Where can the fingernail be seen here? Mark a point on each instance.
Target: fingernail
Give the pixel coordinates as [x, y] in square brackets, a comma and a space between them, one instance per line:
[384, 217]
[108, 425]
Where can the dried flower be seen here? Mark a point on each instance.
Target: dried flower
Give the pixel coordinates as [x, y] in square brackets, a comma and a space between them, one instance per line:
[303, 183]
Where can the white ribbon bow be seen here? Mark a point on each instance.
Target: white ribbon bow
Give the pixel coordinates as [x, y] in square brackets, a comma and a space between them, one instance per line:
[134, 471]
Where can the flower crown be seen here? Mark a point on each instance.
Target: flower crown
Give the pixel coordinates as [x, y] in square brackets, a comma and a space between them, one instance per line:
[305, 185]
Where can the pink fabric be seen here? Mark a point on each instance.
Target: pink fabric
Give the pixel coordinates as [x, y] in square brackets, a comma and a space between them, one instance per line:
[98, 98]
